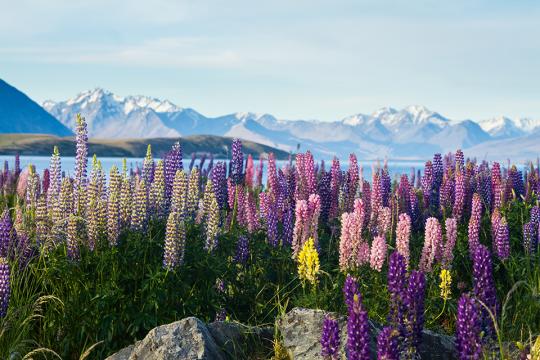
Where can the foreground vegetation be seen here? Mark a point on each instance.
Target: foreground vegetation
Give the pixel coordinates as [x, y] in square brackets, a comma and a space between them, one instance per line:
[89, 265]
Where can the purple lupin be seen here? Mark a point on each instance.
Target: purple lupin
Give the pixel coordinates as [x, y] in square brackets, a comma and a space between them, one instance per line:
[6, 233]
[484, 284]
[330, 338]
[357, 331]
[387, 344]
[468, 330]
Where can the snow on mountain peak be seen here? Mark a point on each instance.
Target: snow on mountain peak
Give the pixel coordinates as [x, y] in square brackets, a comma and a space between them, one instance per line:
[127, 104]
[356, 120]
[384, 111]
[132, 103]
[92, 95]
[418, 110]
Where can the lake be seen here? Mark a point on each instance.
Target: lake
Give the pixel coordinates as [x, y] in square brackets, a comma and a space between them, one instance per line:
[68, 164]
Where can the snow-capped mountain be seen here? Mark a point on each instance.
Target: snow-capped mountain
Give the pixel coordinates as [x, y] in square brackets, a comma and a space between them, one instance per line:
[111, 116]
[412, 132]
[502, 127]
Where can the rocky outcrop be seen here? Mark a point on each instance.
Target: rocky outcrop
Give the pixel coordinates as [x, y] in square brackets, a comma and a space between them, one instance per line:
[301, 330]
[191, 339]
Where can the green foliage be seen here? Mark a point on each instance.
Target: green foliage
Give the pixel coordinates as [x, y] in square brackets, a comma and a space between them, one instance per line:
[114, 295]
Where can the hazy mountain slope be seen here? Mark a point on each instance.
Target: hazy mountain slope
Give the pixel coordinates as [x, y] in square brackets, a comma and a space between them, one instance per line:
[20, 114]
[524, 148]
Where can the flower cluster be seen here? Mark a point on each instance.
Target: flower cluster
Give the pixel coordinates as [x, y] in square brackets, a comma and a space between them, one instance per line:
[308, 262]
[403, 234]
[432, 244]
[445, 285]
[307, 222]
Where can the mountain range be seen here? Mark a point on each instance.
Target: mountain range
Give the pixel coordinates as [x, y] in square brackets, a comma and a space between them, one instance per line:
[414, 132]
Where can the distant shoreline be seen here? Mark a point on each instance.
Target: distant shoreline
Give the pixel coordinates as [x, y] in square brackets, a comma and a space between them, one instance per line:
[42, 145]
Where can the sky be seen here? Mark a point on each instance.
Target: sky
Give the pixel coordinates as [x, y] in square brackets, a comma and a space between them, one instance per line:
[295, 59]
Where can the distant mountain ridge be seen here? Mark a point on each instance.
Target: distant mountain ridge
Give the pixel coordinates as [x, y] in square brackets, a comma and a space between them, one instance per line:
[20, 114]
[412, 132]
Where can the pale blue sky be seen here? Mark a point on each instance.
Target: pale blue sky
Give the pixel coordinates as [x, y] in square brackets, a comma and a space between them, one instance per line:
[294, 59]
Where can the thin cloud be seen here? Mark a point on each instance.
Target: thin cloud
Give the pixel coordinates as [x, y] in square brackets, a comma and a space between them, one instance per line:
[162, 52]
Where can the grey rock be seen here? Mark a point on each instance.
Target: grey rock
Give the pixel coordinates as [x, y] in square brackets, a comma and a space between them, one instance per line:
[437, 346]
[190, 339]
[187, 339]
[122, 354]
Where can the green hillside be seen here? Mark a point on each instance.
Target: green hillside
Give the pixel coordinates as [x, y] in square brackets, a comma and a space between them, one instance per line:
[35, 144]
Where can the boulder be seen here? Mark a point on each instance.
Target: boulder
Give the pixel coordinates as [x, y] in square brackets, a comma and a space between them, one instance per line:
[191, 339]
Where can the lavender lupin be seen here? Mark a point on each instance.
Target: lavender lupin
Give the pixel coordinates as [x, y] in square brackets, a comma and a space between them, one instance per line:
[272, 224]
[237, 162]
[242, 250]
[148, 167]
[139, 209]
[55, 178]
[6, 233]
[5, 286]
[126, 199]
[529, 241]
[219, 182]
[179, 193]
[170, 253]
[502, 244]
[172, 163]
[81, 162]
[113, 219]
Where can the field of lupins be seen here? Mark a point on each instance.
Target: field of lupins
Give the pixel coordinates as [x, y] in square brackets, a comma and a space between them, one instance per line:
[89, 263]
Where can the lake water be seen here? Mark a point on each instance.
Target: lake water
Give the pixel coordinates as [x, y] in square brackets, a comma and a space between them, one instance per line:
[68, 164]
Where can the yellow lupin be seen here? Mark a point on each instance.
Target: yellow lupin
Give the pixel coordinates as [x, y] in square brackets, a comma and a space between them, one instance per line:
[446, 283]
[308, 262]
